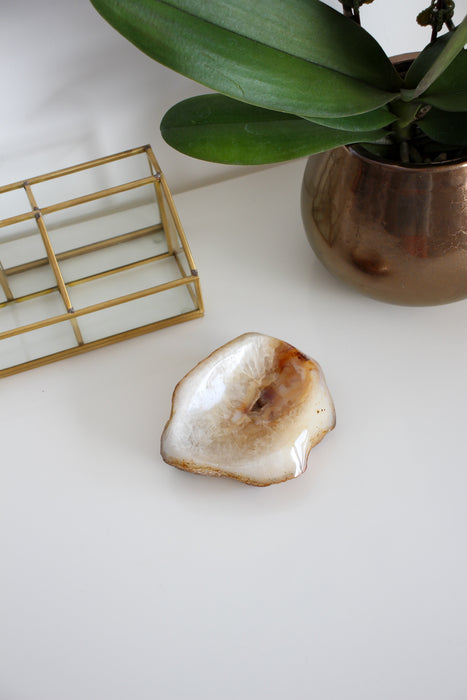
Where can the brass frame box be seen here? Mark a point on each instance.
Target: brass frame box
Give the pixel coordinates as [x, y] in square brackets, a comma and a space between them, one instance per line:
[99, 256]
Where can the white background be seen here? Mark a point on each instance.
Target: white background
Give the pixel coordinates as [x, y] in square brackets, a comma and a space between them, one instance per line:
[125, 579]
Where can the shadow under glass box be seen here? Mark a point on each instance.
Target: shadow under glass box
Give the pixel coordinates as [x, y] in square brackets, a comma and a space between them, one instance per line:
[95, 255]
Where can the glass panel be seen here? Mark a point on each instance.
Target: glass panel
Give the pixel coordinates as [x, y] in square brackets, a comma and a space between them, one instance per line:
[35, 344]
[121, 283]
[24, 259]
[90, 180]
[98, 261]
[13, 203]
[175, 238]
[194, 294]
[107, 220]
[183, 263]
[137, 313]
[20, 313]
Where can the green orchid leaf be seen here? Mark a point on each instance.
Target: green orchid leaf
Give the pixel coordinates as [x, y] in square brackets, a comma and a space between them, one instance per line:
[368, 121]
[442, 61]
[217, 128]
[425, 59]
[312, 62]
[445, 127]
[449, 92]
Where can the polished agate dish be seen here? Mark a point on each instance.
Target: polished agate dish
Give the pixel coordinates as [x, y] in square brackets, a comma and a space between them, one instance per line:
[252, 411]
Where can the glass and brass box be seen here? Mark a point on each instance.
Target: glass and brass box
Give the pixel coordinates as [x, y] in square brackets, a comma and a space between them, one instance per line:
[90, 255]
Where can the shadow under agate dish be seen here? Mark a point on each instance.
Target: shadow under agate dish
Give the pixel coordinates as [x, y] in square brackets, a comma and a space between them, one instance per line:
[251, 411]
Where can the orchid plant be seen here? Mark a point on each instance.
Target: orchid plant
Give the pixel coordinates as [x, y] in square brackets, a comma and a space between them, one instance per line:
[296, 77]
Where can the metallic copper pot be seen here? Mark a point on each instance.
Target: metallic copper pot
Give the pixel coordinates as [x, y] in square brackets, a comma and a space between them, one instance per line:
[394, 232]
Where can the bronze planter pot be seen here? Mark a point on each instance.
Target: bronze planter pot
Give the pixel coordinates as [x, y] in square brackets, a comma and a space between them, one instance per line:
[396, 233]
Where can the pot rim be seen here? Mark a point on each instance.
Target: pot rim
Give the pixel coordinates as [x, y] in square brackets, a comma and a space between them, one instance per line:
[363, 154]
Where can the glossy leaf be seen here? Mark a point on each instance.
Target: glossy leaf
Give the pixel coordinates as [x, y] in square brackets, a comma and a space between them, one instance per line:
[425, 59]
[449, 92]
[445, 127]
[217, 128]
[443, 56]
[307, 60]
[368, 121]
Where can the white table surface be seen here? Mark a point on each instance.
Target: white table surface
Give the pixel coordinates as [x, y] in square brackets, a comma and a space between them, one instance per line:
[123, 578]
